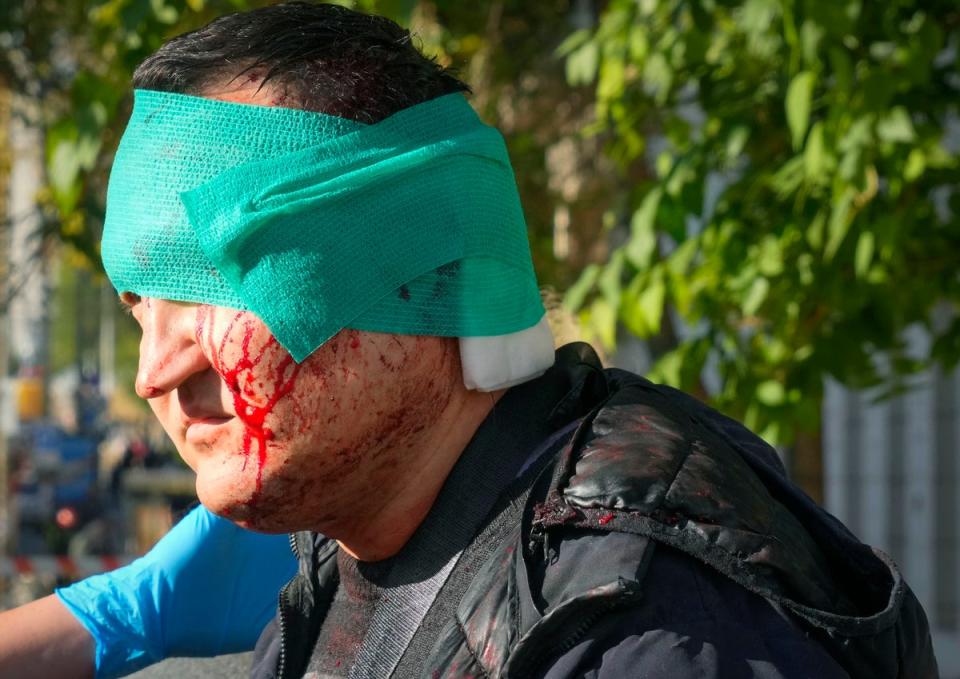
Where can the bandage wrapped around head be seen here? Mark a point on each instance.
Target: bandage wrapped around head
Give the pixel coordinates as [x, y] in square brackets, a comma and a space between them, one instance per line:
[317, 223]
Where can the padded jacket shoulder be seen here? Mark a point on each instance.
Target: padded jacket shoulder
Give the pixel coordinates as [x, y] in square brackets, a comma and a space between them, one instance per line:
[652, 464]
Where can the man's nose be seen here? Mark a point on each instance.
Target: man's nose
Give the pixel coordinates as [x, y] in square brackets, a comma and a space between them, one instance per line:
[169, 353]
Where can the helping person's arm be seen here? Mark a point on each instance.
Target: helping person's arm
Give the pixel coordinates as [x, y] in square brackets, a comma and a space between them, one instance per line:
[42, 639]
[207, 588]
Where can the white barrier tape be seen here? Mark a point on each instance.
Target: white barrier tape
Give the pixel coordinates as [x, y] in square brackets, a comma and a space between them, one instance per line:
[74, 568]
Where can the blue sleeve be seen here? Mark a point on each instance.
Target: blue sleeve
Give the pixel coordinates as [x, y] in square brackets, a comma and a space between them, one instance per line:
[694, 623]
[208, 587]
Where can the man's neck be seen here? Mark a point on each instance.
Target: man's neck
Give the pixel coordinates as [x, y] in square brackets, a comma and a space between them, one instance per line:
[388, 521]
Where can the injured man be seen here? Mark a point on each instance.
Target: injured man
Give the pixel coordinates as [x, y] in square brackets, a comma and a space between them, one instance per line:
[343, 336]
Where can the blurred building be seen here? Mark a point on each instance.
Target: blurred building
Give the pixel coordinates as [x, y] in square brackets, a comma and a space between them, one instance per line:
[891, 474]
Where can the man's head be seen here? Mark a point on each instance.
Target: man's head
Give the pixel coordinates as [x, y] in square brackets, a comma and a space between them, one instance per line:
[316, 57]
[277, 445]
[391, 210]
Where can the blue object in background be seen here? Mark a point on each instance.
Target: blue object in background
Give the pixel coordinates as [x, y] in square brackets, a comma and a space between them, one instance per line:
[78, 470]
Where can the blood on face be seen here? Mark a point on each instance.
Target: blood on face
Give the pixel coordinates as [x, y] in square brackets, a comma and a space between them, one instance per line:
[345, 420]
[258, 378]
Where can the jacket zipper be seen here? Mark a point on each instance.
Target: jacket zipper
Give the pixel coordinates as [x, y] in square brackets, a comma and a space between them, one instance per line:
[282, 612]
[534, 661]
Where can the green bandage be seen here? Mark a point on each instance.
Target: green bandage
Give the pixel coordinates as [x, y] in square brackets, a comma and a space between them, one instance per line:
[316, 223]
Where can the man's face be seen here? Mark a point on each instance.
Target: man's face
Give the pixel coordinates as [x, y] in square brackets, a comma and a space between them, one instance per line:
[279, 446]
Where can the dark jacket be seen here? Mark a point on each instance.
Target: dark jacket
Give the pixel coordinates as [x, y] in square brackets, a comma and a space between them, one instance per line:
[660, 522]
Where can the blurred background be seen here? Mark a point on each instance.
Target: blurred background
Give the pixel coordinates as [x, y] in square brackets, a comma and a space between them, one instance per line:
[754, 200]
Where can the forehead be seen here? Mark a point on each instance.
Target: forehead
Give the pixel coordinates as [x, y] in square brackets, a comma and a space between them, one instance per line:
[245, 89]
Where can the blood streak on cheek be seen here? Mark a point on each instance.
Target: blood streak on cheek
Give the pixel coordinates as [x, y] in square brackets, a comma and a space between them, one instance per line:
[278, 382]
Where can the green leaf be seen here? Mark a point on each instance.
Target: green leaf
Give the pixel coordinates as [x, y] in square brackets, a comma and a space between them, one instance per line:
[664, 164]
[642, 310]
[659, 76]
[858, 135]
[756, 295]
[814, 153]
[610, 280]
[939, 158]
[639, 44]
[577, 293]
[164, 13]
[582, 64]
[915, 165]
[896, 126]
[681, 174]
[736, 142]
[756, 16]
[851, 165]
[612, 78]
[63, 172]
[798, 103]
[864, 254]
[769, 256]
[771, 393]
[668, 369]
[643, 234]
[788, 178]
[602, 321]
[839, 224]
[682, 288]
[72, 148]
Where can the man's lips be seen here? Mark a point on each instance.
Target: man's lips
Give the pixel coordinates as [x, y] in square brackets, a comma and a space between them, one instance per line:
[207, 419]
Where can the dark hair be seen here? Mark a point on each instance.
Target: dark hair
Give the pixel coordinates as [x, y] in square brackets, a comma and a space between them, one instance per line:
[319, 57]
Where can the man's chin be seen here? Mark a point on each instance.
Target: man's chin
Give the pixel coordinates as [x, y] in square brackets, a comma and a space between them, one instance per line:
[241, 510]
[229, 502]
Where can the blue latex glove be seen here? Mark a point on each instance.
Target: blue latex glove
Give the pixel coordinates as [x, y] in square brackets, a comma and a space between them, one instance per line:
[208, 587]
